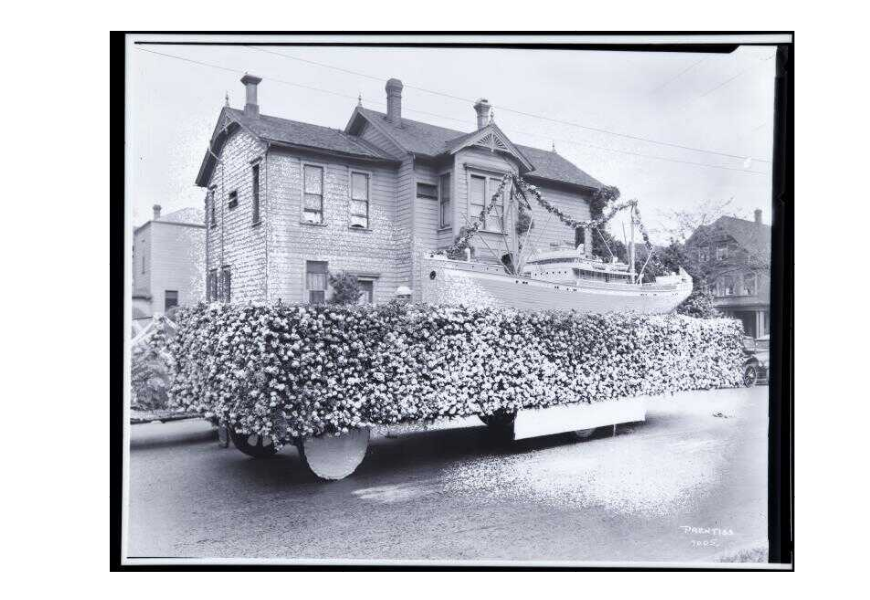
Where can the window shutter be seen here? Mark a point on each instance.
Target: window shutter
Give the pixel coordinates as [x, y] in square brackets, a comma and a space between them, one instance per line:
[255, 176]
[227, 285]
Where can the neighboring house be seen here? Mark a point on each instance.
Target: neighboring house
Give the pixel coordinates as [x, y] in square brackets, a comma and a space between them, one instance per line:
[168, 254]
[734, 256]
[287, 202]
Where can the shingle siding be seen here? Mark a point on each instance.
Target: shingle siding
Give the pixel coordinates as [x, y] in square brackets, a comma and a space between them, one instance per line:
[292, 242]
[549, 229]
[404, 223]
[235, 241]
[268, 261]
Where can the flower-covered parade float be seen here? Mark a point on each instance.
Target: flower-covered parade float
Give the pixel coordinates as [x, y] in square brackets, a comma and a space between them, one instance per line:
[322, 377]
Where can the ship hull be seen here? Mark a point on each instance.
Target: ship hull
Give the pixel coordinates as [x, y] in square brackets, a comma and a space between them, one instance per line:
[474, 284]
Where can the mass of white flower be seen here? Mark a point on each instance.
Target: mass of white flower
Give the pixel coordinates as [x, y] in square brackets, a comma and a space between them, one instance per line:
[294, 371]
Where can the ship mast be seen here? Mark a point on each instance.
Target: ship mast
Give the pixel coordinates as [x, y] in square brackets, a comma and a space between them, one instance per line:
[631, 247]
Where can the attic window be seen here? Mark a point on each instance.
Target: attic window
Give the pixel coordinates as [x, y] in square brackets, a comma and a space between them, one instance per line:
[233, 200]
[427, 190]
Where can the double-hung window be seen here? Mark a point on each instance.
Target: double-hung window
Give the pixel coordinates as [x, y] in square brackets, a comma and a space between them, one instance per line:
[495, 221]
[444, 205]
[316, 280]
[359, 200]
[170, 299]
[312, 207]
[481, 190]
[477, 198]
[749, 284]
[367, 289]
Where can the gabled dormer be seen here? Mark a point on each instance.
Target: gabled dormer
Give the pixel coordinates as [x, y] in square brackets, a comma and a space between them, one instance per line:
[490, 137]
[404, 138]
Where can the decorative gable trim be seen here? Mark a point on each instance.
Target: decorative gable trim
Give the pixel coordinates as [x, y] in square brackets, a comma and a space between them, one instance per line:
[493, 139]
[493, 142]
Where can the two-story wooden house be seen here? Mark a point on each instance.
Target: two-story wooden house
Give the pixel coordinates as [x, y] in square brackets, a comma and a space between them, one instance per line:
[734, 256]
[289, 202]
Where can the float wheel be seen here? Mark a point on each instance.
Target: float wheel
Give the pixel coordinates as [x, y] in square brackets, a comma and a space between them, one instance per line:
[334, 457]
[582, 434]
[223, 435]
[500, 424]
[254, 445]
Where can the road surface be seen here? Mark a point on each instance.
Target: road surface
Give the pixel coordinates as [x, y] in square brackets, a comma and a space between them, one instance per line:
[688, 485]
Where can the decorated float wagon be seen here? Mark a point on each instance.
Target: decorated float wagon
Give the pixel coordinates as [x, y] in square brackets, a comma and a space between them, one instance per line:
[485, 343]
[323, 377]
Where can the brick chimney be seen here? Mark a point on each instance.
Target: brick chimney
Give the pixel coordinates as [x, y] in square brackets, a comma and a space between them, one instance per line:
[394, 101]
[482, 108]
[251, 107]
[156, 209]
[758, 216]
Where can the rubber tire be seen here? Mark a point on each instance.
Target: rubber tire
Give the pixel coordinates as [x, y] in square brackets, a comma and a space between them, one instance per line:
[584, 434]
[258, 450]
[750, 375]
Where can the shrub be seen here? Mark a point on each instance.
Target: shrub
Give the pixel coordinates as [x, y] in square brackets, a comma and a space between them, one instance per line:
[293, 371]
[699, 304]
[150, 375]
[345, 289]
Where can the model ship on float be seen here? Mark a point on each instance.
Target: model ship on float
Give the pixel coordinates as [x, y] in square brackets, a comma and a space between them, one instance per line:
[560, 279]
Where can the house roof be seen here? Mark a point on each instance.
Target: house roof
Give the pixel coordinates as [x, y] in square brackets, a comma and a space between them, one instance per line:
[191, 215]
[432, 140]
[280, 131]
[752, 236]
[412, 136]
[297, 133]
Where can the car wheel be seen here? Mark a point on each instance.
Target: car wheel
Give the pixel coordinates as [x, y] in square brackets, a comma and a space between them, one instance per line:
[750, 375]
[254, 445]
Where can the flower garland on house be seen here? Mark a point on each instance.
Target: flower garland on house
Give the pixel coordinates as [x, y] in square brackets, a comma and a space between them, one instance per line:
[466, 233]
[611, 212]
[291, 371]
[462, 241]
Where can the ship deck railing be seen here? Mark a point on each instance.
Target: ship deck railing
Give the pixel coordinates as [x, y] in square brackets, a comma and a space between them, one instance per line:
[494, 269]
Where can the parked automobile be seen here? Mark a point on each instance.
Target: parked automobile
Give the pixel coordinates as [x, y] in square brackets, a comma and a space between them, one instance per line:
[757, 364]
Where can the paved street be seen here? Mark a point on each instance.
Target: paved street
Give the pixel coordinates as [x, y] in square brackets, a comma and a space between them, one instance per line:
[689, 484]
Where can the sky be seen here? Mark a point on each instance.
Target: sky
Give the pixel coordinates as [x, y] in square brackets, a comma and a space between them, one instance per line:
[616, 115]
